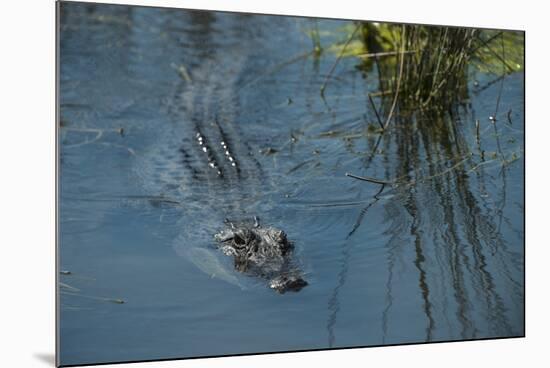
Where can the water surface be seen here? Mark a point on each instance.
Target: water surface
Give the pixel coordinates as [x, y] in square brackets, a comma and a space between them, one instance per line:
[439, 258]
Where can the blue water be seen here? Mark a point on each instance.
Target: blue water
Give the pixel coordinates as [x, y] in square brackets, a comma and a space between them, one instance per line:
[437, 257]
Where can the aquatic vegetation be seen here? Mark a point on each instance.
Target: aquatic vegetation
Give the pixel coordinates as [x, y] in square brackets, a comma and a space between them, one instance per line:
[71, 291]
[426, 78]
[316, 39]
[429, 67]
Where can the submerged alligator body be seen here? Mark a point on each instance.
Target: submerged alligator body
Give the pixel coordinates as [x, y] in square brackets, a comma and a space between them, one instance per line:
[220, 163]
[215, 158]
[261, 251]
[207, 161]
[213, 149]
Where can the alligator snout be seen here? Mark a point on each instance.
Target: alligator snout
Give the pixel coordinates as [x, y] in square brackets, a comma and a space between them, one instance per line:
[285, 283]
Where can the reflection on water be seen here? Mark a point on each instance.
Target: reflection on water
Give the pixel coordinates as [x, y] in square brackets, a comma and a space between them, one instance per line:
[434, 254]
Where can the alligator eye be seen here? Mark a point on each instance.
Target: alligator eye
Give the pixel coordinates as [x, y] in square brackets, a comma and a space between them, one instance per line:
[238, 240]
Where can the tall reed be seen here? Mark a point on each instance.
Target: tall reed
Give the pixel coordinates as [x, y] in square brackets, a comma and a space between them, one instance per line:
[428, 68]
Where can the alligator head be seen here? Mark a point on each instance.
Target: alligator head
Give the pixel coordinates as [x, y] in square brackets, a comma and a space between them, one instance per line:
[262, 251]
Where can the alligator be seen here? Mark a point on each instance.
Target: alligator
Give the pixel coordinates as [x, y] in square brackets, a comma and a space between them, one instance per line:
[263, 251]
[207, 161]
[215, 159]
